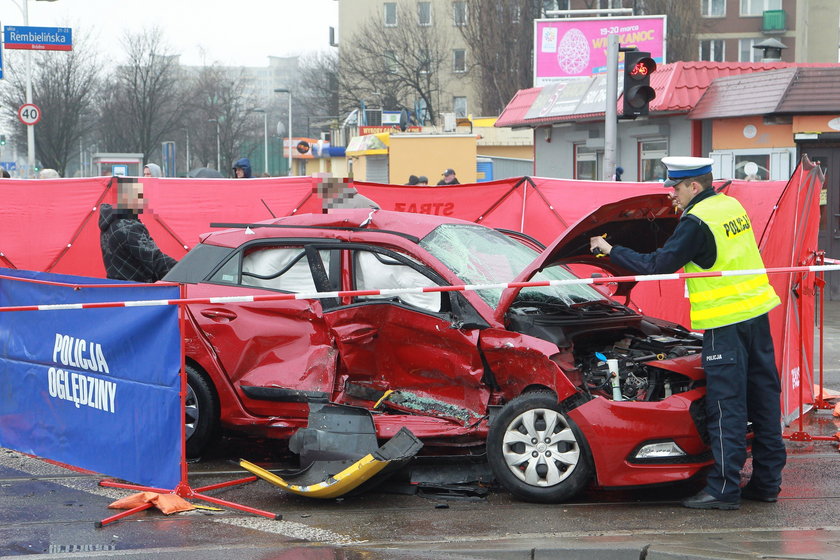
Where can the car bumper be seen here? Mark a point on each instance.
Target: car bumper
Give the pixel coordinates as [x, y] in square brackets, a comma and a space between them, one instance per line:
[617, 430]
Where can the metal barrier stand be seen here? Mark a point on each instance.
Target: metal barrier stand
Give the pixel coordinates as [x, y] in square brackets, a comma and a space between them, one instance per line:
[183, 490]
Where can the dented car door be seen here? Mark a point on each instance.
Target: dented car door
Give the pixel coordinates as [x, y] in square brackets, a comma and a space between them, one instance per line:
[407, 343]
[277, 354]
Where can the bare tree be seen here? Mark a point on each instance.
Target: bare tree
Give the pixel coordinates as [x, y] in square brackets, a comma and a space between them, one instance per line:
[684, 24]
[501, 36]
[216, 97]
[318, 83]
[144, 98]
[64, 86]
[394, 66]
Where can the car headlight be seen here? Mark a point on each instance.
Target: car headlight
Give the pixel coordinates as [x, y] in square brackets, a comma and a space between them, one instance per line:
[660, 450]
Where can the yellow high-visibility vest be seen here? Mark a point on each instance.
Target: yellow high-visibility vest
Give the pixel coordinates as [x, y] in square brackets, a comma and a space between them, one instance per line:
[724, 300]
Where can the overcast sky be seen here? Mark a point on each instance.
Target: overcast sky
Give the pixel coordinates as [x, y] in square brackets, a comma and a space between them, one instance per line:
[231, 32]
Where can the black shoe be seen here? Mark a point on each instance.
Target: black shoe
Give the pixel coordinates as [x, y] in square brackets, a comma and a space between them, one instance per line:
[750, 493]
[704, 500]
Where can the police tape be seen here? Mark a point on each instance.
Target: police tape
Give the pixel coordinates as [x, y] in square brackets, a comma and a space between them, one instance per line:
[428, 289]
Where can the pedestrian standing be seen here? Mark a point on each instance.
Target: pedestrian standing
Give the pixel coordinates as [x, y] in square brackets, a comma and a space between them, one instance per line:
[742, 383]
[152, 170]
[449, 178]
[242, 168]
[128, 251]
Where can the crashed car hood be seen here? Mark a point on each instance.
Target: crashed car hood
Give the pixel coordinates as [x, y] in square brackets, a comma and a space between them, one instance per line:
[642, 223]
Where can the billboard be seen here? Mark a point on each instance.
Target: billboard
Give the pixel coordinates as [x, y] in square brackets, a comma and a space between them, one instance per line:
[577, 47]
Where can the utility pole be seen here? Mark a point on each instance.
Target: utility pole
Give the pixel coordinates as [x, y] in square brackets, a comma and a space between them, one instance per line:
[610, 114]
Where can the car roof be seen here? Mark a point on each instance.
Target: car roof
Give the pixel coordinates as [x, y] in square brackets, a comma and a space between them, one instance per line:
[405, 224]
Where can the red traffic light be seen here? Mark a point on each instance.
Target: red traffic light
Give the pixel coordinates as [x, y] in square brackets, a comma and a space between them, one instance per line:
[637, 95]
[642, 69]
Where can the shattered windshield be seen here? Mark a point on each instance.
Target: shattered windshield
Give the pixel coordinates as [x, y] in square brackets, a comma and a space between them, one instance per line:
[480, 255]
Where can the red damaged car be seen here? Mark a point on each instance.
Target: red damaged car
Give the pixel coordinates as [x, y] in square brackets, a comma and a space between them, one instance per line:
[525, 373]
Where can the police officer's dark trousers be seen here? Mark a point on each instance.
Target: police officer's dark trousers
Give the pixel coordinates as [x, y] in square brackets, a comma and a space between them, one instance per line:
[742, 384]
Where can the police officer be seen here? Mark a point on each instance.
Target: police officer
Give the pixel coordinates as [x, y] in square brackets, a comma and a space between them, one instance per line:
[742, 384]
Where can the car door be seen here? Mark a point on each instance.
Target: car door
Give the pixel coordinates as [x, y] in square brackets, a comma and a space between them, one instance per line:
[276, 354]
[409, 343]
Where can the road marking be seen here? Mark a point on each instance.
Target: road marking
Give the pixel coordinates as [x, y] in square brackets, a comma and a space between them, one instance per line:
[291, 529]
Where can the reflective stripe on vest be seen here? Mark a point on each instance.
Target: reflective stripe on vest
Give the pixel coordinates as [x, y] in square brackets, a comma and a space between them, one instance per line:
[725, 300]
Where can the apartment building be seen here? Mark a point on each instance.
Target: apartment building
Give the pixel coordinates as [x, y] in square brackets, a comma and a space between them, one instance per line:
[809, 29]
[458, 93]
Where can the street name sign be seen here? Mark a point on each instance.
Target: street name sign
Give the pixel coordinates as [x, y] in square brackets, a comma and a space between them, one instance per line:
[38, 38]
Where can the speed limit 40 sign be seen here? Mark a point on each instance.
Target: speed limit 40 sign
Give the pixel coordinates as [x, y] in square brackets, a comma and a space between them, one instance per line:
[29, 113]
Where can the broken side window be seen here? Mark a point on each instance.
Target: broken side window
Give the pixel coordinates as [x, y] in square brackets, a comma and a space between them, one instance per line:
[375, 271]
[280, 268]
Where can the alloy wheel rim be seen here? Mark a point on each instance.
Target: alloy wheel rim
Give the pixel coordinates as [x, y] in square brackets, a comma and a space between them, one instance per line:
[191, 412]
[540, 448]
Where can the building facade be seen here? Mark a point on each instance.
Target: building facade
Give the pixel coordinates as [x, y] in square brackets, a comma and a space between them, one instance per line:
[810, 29]
[458, 93]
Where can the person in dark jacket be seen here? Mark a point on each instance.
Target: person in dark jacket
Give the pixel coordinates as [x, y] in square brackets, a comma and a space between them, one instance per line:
[242, 168]
[714, 234]
[128, 251]
[449, 178]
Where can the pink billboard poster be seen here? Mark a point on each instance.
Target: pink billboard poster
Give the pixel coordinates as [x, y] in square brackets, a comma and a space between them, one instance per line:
[567, 48]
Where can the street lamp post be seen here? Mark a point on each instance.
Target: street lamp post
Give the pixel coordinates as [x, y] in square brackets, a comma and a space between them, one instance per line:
[286, 90]
[30, 129]
[265, 137]
[186, 172]
[218, 145]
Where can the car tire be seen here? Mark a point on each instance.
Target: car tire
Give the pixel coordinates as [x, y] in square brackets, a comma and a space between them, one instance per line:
[201, 413]
[536, 452]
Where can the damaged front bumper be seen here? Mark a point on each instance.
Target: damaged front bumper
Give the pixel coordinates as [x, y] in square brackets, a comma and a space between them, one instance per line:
[340, 450]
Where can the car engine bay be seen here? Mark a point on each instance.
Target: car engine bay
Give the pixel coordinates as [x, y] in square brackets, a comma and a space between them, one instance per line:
[617, 354]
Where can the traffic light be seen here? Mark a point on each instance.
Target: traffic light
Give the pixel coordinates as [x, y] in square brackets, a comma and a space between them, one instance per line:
[2, 139]
[638, 66]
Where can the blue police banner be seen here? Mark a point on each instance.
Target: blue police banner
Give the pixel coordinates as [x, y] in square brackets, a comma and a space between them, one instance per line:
[93, 388]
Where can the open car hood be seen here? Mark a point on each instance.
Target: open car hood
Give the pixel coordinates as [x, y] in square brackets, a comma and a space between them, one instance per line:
[642, 223]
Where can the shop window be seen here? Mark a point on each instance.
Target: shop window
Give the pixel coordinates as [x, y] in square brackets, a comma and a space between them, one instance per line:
[774, 164]
[752, 167]
[651, 153]
[588, 163]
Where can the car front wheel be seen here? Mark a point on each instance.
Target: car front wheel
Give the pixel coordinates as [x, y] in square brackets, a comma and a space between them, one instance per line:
[536, 452]
[201, 412]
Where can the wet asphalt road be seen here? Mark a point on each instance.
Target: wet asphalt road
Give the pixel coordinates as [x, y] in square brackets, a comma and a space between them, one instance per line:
[50, 511]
